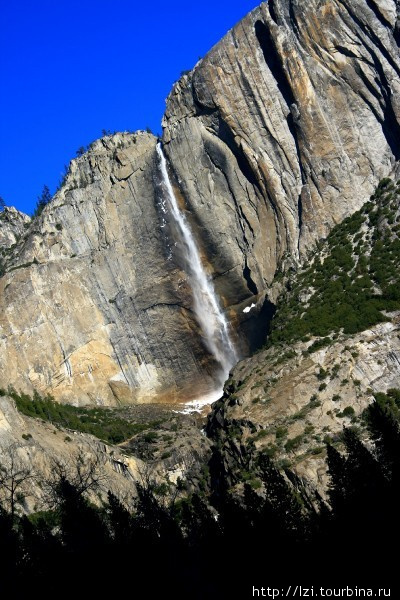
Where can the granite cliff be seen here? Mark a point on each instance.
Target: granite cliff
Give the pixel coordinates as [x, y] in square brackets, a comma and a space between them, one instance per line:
[13, 225]
[91, 309]
[280, 132]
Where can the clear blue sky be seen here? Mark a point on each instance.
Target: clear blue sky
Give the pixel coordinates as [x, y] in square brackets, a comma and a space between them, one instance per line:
[70, 68]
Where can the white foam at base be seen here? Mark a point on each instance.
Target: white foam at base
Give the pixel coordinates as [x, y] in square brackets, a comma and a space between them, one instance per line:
[199, 403]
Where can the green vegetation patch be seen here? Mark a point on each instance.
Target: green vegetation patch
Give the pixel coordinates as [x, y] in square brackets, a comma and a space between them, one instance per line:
[104, 423]
[352, 280]
[294, 443]
[388, 404]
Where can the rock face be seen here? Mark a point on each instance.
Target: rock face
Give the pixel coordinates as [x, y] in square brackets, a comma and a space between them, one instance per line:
[13, 224]
[273, 131]
[91, 309]
[35, 447]
[290, 407]
[267, 140]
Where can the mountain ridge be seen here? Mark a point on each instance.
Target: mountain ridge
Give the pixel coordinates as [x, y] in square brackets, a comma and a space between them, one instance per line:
[266, 140]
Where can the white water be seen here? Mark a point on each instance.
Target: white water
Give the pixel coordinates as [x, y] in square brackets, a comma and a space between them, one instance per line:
[248, 308]
[198, 404]
[208, 313]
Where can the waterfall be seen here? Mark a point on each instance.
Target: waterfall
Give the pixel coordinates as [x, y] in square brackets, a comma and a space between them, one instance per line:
[213, 324]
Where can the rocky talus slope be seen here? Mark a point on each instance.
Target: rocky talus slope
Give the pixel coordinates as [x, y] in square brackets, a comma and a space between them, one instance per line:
[40, 451]
[281, 131]
[162, 449]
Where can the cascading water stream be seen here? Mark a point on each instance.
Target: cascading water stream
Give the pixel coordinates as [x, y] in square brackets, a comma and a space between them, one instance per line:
[213, 324]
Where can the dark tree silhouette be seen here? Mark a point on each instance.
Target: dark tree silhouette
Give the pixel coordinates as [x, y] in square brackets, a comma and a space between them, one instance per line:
[14, 475]
[42, 201]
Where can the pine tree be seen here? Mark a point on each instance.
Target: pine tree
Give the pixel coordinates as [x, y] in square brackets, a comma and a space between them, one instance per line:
[42, 201]
[337, 471]
[120, 521]
[358, 496]
[383, 424]
[364, 477]
[283, 504]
